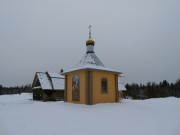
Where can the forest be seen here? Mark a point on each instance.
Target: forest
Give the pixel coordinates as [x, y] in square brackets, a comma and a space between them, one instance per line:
[153, 90]
[134, 90]
[15, 90]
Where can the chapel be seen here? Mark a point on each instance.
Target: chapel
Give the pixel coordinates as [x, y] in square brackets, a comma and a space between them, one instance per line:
[91, 82]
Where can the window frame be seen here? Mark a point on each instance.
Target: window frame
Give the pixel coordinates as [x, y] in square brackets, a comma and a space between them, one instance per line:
[104, 81]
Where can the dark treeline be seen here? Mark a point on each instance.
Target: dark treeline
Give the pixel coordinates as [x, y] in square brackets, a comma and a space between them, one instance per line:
[153, 90]
[15, 90]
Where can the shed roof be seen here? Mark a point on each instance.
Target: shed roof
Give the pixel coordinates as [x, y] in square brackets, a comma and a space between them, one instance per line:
[44, 80]
[55, 75]
[50, 81]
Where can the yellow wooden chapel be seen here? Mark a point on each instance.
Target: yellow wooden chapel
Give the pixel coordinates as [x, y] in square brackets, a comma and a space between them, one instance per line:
[90, 82]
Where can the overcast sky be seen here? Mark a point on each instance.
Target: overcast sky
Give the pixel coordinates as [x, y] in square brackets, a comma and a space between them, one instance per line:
[140, 38]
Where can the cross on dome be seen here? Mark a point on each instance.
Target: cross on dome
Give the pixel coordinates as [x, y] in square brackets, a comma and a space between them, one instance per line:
[90, 31]
[90, 41]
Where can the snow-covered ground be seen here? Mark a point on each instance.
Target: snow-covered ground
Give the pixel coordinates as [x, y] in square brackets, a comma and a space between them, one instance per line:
[20, 115]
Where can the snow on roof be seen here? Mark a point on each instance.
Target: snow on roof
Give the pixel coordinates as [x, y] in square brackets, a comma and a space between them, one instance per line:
[51, 81]
[91, 67]
[91, 61]
[38, 87]
[55, 75]
[44, 81]
[58, 84]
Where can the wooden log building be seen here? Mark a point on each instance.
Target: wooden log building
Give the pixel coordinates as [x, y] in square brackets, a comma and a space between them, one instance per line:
[48, 86]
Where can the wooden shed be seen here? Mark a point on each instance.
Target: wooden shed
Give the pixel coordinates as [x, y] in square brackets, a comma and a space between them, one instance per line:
[48, 86]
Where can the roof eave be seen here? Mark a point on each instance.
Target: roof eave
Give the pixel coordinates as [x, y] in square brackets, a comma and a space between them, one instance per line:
[65, 73]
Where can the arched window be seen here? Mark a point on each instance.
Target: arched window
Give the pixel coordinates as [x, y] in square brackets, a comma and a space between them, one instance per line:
[104, 85]
[75, 88]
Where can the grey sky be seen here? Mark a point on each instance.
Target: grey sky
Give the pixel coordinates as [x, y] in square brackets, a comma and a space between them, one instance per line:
[141, 38]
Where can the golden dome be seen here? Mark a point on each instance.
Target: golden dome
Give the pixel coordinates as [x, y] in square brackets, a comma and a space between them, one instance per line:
[90, 42]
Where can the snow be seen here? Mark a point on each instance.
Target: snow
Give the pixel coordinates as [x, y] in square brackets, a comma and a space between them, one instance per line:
[58, 84]
[88, 66]
[55, 75]
[38, 87]
[90, 59]
[20, 115]
[49, 79]
[44, 81]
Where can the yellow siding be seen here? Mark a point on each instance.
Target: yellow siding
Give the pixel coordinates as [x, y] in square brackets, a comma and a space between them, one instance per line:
[81, 75]
[98, 96]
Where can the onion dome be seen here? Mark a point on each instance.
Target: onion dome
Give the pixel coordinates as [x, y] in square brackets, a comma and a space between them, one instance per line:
[90, 41]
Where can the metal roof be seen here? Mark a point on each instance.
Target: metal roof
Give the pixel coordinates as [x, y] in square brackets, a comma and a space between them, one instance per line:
[90, 59]
[91, 67]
